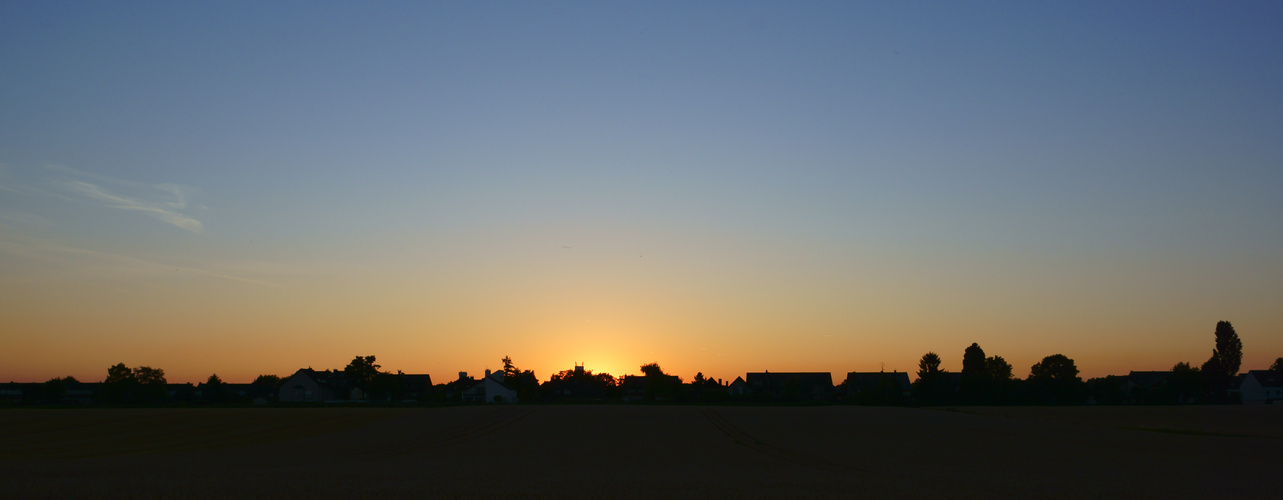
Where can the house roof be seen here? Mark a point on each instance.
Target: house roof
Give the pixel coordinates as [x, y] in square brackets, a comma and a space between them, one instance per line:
[491, 379]
[415, 382]
[1267, 378]
[1148, 379]
[771, 379]
[866, 379]
[333, 379]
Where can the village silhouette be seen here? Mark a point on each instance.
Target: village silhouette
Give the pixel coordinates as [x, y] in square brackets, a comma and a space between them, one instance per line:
[983, 380]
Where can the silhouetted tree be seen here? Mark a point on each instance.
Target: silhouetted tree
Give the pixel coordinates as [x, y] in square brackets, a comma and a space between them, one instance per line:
[975, 377]
[998, 369]
[1229, 348]
[212, 389]
[120, 384]
[1227, 357]
[523, 381]
[509, 369]
[1054, 380]
[998, 378]
[1278, 365]
[660, 385]
[929, 365]
[1187, 383]
[141, 384]
[973, 359]
[55, 388]
[361, 371]
[931, 387]
[265, 386]
[152, 386]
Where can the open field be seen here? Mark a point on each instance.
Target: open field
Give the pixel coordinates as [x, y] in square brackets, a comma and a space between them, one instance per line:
[642, 451]
[1242, 421]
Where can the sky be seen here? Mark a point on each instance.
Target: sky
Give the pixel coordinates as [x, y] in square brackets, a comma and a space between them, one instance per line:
[248, 188]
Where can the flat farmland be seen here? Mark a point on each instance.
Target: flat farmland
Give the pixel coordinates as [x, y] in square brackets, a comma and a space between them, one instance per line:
[642, 451]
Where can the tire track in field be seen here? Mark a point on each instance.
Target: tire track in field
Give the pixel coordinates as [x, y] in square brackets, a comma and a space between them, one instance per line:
[466, 432]
[747, 440]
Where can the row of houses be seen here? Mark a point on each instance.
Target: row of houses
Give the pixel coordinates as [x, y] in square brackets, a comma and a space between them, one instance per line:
[312, 386]
[1167, 387]
[1138, 387]
[315, 386]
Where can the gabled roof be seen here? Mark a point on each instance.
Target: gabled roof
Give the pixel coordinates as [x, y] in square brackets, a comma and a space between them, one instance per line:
[635, 383]
[1148, 379]
[771, 379]
[333, 379]
[1267, 378]
[867, 379]
[492, 379]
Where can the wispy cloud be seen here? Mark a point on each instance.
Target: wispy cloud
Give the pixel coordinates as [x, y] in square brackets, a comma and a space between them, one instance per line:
[163, 202]
[80, 260]
[23, 218]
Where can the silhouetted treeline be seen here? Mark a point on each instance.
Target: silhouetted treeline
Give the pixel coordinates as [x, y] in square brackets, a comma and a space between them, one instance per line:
[982, 380]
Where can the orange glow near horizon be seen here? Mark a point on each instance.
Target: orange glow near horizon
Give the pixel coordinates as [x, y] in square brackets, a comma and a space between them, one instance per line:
[687, 319]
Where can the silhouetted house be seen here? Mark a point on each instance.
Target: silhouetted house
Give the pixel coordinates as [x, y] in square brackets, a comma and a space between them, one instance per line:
[11, 393]
[239, 392]
[878, 387]
[576, 384]
[415, 386]
[795, 386]
[632, 388]
[226, 393]
[490, 389]
[1148, 380]
[649, 387]
[181, 392]
[1149, 387]
[453, 390]
[79, 393]
[1236, 384]
[312, 386]
[738, 388]
[1262, 387]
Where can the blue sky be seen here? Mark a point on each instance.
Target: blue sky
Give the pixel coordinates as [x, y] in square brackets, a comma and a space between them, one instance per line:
[928, 174]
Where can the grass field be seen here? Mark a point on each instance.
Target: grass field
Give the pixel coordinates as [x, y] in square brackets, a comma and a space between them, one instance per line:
[642, 451]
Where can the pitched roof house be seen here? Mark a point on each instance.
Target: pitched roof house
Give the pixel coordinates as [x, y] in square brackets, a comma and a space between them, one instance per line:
[312, 386]
[738, 388]
[879, 387]
[490, 389]
[414, 386]
[857, 382]
[1262, 387]
[1147, 379]
[791, 385]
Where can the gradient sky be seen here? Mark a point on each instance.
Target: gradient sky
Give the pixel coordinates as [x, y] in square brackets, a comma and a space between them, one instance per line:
[246, 188]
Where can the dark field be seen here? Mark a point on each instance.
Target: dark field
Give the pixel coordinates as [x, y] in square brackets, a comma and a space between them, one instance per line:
[643, 451]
